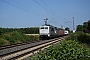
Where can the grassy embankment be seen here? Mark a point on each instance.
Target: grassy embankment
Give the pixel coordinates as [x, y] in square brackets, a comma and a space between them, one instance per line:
[16, 37]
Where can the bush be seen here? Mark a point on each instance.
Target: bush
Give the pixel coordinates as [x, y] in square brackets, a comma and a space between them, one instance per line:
[84, 38]
[13, 37]
[16, 37]
[3, 42]
[67, 50]
[81, 37]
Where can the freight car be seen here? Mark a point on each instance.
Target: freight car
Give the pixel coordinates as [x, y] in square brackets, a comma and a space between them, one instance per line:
[61, 32]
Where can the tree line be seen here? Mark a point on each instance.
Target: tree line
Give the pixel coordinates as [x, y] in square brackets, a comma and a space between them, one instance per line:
[85, 27]
[31, 30]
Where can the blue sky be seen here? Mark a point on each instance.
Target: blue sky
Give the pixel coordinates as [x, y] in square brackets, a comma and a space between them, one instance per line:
[31, 13]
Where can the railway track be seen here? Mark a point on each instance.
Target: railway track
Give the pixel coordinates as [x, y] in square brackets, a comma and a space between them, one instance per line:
[23, 50]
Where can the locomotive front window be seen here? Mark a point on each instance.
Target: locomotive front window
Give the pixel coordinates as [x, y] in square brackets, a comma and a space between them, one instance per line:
[46, 27]
[42, 27]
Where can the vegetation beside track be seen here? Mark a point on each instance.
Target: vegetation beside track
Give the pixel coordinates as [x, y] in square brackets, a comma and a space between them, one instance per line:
[15, 37]
[29, 30]
[81, 37]
[75, 47]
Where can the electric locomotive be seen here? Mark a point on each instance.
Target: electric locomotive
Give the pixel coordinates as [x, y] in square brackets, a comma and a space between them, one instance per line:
[48, 31]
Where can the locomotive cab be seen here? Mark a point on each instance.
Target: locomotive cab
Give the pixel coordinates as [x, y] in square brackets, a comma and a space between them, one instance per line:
[47, 31]
[44, 32]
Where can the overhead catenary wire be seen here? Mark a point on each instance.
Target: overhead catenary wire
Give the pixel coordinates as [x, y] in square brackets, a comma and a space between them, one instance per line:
[29, 11]
[22, 8]
[55, 13]
[47, 6]
[43, 7]
[50, 10]
[26, 7]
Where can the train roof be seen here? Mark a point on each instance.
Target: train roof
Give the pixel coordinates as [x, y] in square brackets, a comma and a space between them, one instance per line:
[49, 25]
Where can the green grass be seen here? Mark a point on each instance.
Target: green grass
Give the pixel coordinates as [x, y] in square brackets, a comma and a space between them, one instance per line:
[15, 37]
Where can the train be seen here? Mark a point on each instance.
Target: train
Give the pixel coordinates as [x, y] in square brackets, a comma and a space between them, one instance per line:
[48, 31]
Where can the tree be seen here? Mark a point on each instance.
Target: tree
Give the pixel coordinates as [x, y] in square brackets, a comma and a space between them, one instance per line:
[85, 26]
[88, 26]
[1, 31]
[79, 28]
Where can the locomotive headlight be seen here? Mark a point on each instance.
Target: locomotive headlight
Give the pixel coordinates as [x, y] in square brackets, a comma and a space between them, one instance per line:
[48, 34]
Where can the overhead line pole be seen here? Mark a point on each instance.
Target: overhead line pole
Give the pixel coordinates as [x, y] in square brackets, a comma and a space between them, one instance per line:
[73, 23]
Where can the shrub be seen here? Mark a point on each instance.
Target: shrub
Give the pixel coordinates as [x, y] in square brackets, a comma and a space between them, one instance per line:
[81, 37]
[16, 37]
[84, 38]
[13, 37]
[3, 42]
[67, 50]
